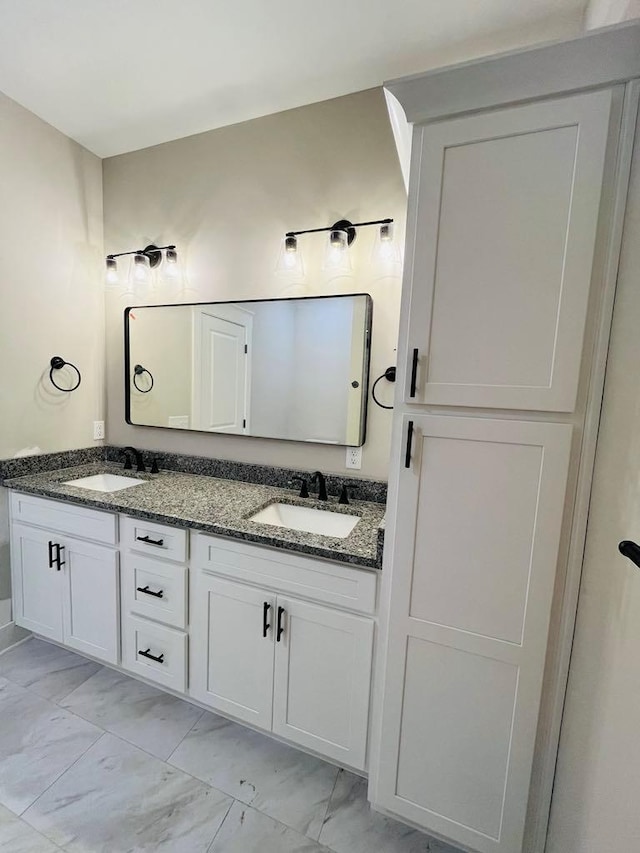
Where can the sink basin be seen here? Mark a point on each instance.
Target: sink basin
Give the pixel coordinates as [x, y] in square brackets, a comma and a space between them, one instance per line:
[308, 519]
[105, 482]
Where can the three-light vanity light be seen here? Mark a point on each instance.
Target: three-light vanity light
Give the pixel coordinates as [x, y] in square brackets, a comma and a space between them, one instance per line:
[341, 236]
[144, 260]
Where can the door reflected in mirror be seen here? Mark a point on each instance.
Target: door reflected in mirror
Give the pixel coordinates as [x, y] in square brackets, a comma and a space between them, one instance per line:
[294, 369]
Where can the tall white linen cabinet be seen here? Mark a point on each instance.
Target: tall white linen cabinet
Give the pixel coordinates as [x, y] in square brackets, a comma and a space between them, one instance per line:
[518, 183]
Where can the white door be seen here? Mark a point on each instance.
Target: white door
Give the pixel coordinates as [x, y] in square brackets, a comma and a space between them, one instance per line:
[37, 584]
[322, 680]
[477, 530]
[505, 223]
[220, 372]
[231, 649]
[90, 599]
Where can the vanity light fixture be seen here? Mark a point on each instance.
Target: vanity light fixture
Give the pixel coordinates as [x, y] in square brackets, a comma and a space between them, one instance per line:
[386, 250]
[144, 260]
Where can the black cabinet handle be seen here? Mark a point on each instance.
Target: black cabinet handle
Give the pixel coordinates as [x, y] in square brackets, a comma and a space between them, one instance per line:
[414, 373]
[407, 456]
[147, 654]
[58, 558]
[150, 541]
[280, 630]
[266, 607]
[148, 591]
[50, 554]
[630, 550]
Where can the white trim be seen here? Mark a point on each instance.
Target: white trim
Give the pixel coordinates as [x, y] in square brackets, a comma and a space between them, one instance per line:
[600, 58]
[11, 635]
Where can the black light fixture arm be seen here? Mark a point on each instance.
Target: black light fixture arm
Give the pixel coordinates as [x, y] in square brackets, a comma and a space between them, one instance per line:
[149, 250]
[343, 223]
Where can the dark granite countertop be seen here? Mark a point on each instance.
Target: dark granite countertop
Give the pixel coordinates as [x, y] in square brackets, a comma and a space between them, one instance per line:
[217, 506]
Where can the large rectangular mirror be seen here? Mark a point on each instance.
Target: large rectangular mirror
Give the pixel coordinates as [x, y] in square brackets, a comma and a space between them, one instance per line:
[293, 369]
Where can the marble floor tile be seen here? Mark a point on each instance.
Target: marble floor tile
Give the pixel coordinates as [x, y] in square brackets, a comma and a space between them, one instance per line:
[38, 742]
[119, 798]
[352, 827]
[143, 715]
[280, 781]
[46, 669]
[246, 830]
[16, 836]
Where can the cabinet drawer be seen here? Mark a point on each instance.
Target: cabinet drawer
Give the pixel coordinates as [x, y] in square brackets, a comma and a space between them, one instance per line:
[154, 589]
[65, 518]
[352, 588]
[147, 537]
[155, 652]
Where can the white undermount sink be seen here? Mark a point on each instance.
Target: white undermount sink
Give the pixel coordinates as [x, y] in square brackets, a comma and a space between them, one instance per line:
[104, 482]
[307, 519]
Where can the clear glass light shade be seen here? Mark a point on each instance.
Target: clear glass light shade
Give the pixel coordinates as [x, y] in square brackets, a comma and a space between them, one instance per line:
[140, 270]
[386, 251]
[290, 259]
[337, 258]
[111, 275]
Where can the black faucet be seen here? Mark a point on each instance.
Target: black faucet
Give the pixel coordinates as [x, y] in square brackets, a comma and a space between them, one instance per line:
[322, 485]
[140, 466]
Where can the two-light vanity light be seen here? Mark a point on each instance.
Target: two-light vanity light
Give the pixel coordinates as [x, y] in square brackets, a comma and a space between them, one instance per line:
[143, 262]
[337, 256]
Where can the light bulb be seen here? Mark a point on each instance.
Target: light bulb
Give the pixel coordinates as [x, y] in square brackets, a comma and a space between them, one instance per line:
[141, 269]
[290, 258]
[171, 267]
[171, 256]
[112, 271]
[386, 251]
[337, 258]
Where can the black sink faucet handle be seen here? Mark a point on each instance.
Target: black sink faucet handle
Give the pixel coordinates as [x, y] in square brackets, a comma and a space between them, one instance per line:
[344, 494]
[319, 478]
[304, 489]
[127, 461]
[154, 466]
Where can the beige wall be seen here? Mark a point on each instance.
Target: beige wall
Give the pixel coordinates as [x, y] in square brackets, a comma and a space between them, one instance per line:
[226, 198]
[50, 292]
[595, 802]
[602, 13]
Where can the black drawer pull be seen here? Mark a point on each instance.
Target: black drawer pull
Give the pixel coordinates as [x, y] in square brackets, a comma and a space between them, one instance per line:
[414, 374]
[58, 558]
[147, 654]
[150, 541]
[50, 554]
[280, 630]
[148, 591]
[266, 607]
[407, 457]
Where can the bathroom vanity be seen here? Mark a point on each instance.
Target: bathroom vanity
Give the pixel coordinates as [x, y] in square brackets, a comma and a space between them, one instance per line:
[256, 630]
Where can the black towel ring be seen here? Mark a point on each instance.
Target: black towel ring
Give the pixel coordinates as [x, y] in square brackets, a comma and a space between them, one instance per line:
[57, 363]
[138, 370]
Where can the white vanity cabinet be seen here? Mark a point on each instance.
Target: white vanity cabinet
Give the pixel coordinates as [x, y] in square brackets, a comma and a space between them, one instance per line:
[66, 588]
[300, 669]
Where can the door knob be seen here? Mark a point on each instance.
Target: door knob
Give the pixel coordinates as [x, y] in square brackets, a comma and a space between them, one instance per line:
[630, 550]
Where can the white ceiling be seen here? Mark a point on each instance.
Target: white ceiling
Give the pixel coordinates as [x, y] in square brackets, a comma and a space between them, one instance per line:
[118, 75]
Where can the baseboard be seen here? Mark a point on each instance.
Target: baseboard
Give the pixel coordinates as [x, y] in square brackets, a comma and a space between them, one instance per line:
[11, 634]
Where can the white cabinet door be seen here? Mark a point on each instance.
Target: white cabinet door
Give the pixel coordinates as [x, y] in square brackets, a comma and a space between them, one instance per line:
[231, 649]
[37, 590]
[90, 599]
[477, 530]
[322, 679]
[500, 267]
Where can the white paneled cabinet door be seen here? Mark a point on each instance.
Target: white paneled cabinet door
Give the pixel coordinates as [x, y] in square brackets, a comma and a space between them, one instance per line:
[322, 679]
[505, 229]
[231, 664]
[36, 581]
[476, 541]
[90, 599]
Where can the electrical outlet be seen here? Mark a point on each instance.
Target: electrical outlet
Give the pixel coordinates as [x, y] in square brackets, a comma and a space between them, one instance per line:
[98, 430]
[354, 457]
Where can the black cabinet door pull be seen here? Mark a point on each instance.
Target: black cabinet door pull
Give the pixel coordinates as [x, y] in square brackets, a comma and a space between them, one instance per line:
[50, 554]
[630, 550]
[58, 558]
[150, 541]
[266, 607]
[148, 591]
[414, 373]
[407, 457]
[280, 630]
[147, 654]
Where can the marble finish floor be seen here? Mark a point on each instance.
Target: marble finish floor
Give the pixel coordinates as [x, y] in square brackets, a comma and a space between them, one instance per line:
[92, 761]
